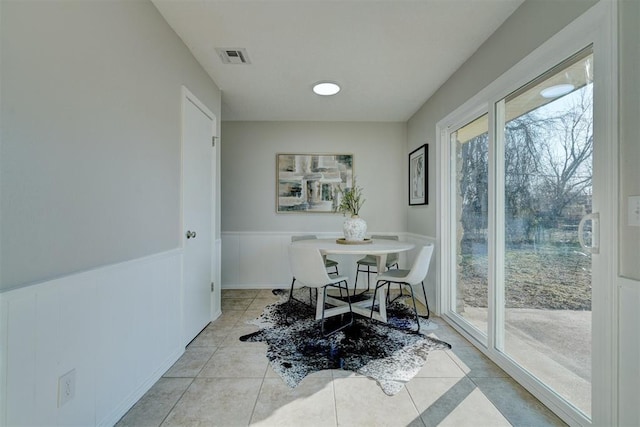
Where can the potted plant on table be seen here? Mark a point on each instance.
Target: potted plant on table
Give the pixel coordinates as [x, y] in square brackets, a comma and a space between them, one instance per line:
[350, 202]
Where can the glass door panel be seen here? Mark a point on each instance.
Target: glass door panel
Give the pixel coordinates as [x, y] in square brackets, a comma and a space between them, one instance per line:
[469, 298]
[546, 294]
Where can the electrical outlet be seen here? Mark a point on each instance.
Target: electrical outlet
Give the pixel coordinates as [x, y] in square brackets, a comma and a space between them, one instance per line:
[66, 387]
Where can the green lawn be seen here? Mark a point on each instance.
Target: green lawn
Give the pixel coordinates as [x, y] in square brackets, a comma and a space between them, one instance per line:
[545, 277]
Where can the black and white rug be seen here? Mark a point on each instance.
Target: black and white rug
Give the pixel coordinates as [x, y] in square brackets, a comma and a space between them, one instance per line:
[388, 353]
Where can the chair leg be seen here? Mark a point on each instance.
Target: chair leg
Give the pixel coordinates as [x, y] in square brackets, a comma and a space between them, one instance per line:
[351, 319]
[375, 294]
[292, 298]
[324, 297]
[426, 302]
[398, 297]
[415, 308]
[291, 291]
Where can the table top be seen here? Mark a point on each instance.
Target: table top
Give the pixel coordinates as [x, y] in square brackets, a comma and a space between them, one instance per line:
[377, 246]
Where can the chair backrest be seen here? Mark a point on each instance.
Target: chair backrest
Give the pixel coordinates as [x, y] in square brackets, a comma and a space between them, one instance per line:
[307, 266]
[391, 258]
[305, 237]
[420, 266]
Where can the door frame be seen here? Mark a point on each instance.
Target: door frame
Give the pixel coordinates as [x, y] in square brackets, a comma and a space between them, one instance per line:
[187, 96]
[597, 26]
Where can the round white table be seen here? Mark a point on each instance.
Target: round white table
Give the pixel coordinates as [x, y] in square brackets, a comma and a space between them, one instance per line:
[379, 248]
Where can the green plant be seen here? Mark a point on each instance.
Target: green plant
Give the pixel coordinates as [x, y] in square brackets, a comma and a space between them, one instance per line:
[351, 200]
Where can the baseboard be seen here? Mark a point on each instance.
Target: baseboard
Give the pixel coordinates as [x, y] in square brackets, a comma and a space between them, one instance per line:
[255, 286]
[128, 403]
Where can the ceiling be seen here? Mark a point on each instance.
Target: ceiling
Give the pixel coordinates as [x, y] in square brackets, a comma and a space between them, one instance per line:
[388, 56]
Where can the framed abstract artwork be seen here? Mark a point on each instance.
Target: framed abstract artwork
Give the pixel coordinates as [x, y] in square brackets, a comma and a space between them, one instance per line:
[309, 183]
[418, 185]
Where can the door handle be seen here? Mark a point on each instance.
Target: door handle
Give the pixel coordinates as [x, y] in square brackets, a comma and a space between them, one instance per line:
[191, 234]
[595, 232]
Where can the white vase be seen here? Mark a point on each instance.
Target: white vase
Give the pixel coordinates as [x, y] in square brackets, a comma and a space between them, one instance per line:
[354, 228]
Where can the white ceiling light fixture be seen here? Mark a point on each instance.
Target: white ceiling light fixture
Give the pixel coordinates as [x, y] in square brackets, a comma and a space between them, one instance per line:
[557, 90]
[326, 88]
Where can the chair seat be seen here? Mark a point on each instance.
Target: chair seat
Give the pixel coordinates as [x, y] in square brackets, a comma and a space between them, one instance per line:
[373, 262]
[330, 263]
[337, 279]
[396, 275]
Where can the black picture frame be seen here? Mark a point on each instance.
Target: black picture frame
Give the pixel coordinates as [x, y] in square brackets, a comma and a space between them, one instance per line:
[419, 176]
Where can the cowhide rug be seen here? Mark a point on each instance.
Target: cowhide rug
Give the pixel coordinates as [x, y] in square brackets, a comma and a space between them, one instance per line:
[389, 353]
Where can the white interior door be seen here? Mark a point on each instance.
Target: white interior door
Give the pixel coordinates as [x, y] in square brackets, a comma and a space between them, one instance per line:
[197, 231]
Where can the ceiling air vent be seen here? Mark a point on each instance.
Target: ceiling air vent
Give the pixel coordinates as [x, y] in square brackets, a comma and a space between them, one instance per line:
[233, 55]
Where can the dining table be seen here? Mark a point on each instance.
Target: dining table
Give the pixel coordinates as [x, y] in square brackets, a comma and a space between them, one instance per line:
[379, 248]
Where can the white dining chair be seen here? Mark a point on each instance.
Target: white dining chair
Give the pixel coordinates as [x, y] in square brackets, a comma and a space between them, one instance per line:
[328, 263]
[307, 266]
[369, 264]
[408, 278]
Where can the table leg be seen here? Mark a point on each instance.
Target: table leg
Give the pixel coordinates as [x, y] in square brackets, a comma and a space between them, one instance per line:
[382, 292]
[382, 263]
[319, 304]
[382, 303]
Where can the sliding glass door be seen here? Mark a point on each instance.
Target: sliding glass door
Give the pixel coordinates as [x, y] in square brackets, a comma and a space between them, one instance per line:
[525, 193]
[544, 140]
[470, 185]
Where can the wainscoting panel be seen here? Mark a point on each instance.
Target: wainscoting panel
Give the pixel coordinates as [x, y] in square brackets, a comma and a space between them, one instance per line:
[118, 327]
[255, 260]
[629, 353]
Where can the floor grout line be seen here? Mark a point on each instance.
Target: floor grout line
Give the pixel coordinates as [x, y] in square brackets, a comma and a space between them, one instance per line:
[255, 404]
[176, 402]
[241, 321]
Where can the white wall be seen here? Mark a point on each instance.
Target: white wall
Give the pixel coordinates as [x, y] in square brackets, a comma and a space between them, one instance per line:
[90, 154]
[254, 234]
[90, 177]
[629, 237]
[629, 34]
[249, 172]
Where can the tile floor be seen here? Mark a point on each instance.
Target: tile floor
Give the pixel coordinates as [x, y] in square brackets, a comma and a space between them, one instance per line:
[221, 381]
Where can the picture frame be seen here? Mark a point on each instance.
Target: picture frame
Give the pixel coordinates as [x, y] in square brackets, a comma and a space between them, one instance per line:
[310, 182]
[418, 176]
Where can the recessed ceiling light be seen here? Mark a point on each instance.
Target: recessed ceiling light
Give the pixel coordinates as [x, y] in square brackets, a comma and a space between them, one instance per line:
[557, 90]
[326, 88]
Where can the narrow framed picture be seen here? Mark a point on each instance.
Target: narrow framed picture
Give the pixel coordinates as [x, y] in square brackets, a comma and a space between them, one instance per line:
[418, 185]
